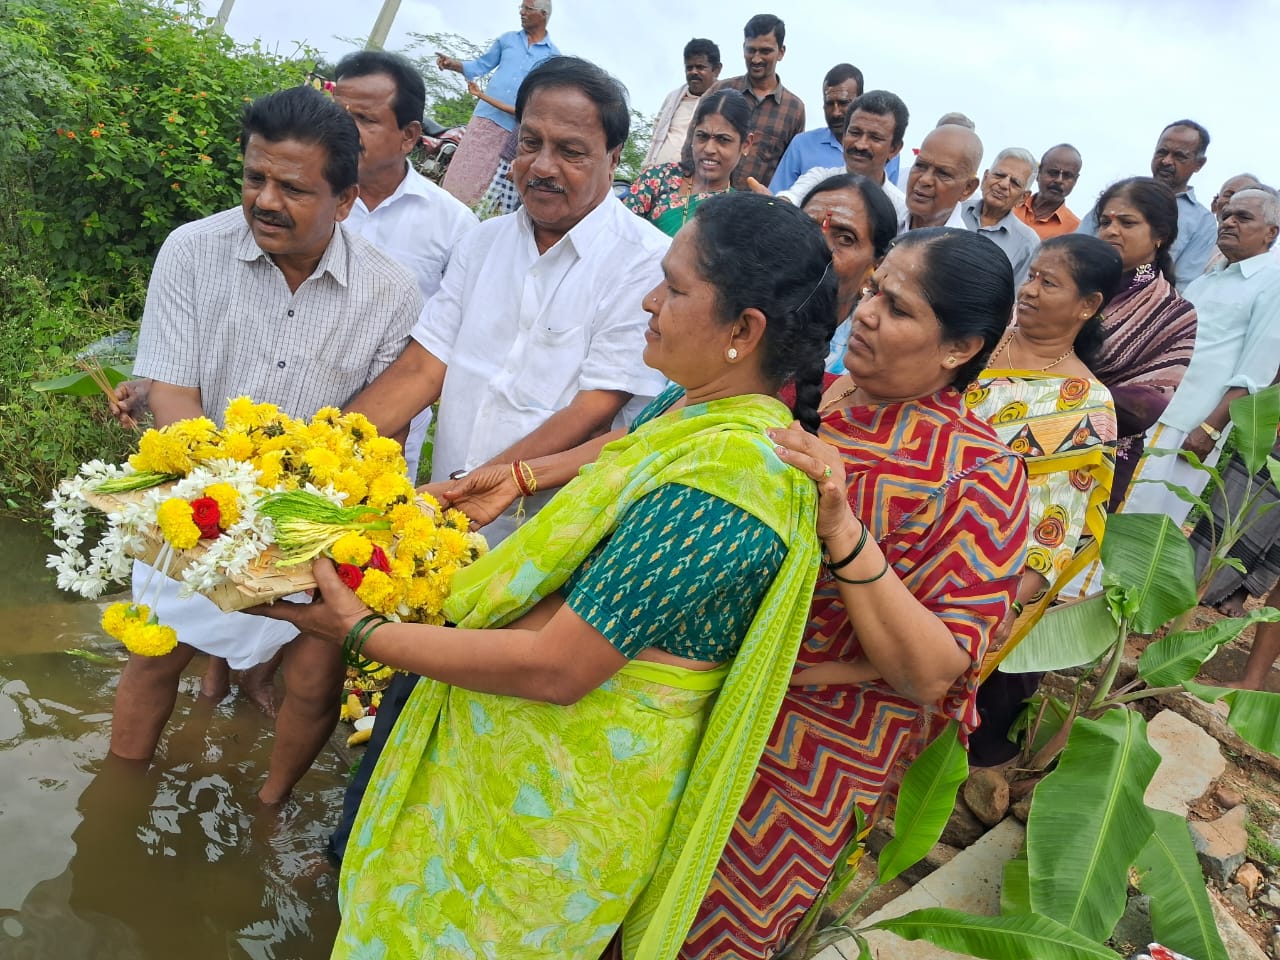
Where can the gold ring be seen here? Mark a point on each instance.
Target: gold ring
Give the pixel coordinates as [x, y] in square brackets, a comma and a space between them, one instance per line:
[826, 474]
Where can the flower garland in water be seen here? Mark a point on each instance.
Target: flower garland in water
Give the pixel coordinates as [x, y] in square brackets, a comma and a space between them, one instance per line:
[217, 499]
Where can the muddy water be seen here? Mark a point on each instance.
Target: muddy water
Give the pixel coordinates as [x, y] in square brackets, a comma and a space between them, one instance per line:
[103, 860]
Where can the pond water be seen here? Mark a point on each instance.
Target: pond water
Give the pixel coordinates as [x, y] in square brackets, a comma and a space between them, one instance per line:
[105, 859]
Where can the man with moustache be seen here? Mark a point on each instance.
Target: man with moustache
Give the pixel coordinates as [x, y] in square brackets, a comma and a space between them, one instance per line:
[777, 114]
[701, 70]
[1046, 212]
[822, 147]
[1004, 186]
[873, 135]
[533, 343]
[1237, 343]
[275, 300]
[1241, 181]
[945, 172]
[1181, 152]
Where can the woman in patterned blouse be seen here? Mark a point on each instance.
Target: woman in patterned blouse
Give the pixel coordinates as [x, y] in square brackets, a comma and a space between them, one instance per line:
[667, 195]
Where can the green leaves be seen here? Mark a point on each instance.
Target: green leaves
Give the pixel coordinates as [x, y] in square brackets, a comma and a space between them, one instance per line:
[1253, 426]
[1254, 714]
[1088, 822]
[1181, 916]
[1147, 556]
[1067, 635]
[925, 801]
[1023, 937]
[1177, 658]
[81, 384]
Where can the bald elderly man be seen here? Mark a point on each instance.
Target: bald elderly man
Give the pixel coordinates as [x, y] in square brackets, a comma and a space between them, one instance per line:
[944, 174]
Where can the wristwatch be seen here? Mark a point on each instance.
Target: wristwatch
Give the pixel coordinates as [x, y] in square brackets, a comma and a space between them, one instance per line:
[1214, 433]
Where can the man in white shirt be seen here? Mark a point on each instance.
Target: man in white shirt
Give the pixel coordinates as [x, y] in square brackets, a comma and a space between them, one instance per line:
[1237, 343]
[538, 322]
[945, 172]
[671, 126]
[873, 134]
[533, 343]
[1005, 184]
[399, 211]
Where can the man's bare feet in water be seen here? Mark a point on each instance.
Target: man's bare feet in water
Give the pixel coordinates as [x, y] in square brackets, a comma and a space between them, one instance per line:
[259, 684]
[216, 682]
[1233, 606]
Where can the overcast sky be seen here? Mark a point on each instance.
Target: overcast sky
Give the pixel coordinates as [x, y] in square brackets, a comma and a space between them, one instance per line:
[1105, 76]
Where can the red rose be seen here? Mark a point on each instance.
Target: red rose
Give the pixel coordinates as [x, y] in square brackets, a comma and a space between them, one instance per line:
[205, 513]
[210, 533]
[351, 575]
[378, 560]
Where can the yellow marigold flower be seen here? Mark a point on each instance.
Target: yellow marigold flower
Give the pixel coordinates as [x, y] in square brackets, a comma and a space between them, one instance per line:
[381, 448]
[115, 617]
[351, 548]
[270, 466]
[349, 481]
[458, 520]
[162, 453]
[321, 463]
[389, 488]
[327, 415]
[149, 639]
[402, 568]
[174, 518]
[403, 514]
[377, 590]
[452, 547]
[243, 414]
[238, 446]
[228, 503]
[358, 426]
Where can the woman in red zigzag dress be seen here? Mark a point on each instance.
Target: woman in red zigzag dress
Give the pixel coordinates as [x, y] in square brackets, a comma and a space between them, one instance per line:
[944, 505]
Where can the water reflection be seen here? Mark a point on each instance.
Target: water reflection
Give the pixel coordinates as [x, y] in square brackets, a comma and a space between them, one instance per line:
[106, 858]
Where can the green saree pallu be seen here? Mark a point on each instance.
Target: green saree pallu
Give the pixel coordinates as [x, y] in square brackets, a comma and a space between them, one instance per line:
[507, 828]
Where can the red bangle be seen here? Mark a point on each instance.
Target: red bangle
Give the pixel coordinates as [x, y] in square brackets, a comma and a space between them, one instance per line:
[522, 473]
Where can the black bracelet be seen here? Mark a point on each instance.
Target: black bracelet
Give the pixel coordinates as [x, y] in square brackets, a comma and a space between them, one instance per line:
[862, 542]
[883, 571]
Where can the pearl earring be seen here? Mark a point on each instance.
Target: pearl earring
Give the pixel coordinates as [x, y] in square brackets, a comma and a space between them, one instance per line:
[732, 354]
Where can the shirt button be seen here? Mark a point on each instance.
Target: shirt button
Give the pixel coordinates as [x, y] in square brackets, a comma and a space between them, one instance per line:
[281, 364]
[291, 313]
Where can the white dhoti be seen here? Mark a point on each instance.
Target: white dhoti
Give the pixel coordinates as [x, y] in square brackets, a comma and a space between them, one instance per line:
[242, 640]
[1148, 495]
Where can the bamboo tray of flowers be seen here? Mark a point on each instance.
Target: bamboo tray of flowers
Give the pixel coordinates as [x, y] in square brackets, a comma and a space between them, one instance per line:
[238, 512]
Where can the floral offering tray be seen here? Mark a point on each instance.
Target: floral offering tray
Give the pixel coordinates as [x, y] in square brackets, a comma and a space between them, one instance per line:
[262, 582]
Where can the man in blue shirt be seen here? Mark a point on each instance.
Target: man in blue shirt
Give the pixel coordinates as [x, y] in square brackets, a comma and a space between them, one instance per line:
[510, 59]
[1180, 152]
[822, 147]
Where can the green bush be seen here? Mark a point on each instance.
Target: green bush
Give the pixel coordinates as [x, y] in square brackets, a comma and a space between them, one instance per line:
[140, 125]
[119, 121]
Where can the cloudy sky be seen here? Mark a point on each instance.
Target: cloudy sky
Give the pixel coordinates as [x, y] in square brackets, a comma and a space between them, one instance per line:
[1105, 76]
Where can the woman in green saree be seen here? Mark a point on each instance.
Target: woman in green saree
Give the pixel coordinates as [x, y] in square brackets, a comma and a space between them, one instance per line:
[580, 742]
[667, 195]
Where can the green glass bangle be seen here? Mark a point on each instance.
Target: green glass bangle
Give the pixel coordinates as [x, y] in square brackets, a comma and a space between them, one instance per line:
[1017, 608]
[357, 636]
[862, 542]
[883, 571]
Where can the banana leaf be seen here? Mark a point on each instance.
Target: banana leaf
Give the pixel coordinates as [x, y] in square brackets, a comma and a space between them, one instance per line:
[1254, 418]
[925, 802]
[1179, 656]
[1015, 886]
[1088, 823]
[1025, 937]
[1067, 635]
[1255, 714]
[81, 384]
[1181, 916]
[1149, 557]
[1273, 467]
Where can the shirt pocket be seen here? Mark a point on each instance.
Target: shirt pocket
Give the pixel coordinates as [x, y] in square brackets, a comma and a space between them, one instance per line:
[546, 376]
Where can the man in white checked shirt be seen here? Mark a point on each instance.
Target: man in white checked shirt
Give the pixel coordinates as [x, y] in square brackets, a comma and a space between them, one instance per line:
[279, 302]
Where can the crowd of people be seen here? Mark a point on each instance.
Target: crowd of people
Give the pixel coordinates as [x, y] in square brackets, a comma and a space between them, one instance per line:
[801, 439]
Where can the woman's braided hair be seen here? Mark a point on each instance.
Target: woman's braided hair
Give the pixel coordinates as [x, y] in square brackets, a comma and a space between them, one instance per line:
[764, 253]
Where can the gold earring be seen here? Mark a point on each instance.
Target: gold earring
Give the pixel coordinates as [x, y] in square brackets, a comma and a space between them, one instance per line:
[951, 361]
[732, 354]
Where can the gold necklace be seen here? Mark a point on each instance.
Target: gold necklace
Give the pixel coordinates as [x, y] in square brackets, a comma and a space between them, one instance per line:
[1007, 349]
[828, 404]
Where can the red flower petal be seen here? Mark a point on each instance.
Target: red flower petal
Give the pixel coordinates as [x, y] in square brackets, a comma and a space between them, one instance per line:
[378, 560]
[351, 575]
[205, 512]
